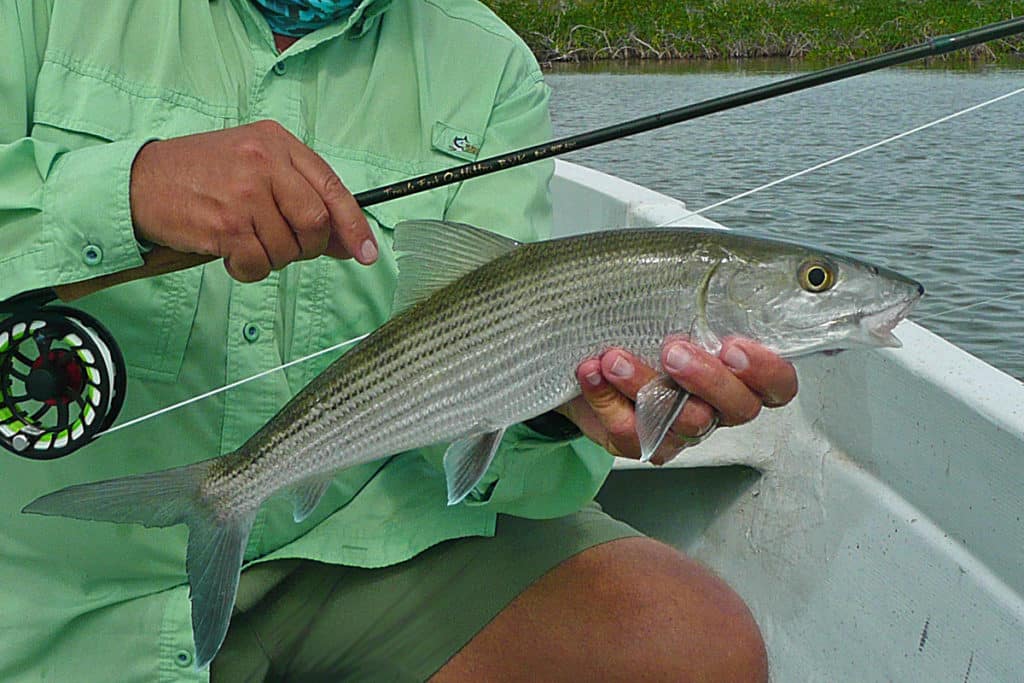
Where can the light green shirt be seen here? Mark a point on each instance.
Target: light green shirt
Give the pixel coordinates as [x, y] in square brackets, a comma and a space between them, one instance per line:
[381, 97]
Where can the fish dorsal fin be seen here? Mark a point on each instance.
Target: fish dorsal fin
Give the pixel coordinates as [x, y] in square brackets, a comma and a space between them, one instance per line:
[307, 494]
[658, 404]
[433, 254]
[466, 461]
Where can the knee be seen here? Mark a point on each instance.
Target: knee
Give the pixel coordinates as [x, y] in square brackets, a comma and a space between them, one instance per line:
[673, 617]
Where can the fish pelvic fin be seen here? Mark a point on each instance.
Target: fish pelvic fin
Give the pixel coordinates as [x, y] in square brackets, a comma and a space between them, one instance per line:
[216, 538]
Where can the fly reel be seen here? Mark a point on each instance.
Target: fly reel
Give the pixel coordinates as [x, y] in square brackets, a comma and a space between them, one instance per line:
[62, 375]
[62, 380]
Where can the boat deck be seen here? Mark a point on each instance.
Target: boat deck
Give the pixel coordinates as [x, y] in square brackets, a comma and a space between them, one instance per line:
[875, 525]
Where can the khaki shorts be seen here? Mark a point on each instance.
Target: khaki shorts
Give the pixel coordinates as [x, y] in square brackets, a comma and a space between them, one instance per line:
[300, 620]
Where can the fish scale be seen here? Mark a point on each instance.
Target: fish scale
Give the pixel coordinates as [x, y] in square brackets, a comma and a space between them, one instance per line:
[442, 349]
[492, 336]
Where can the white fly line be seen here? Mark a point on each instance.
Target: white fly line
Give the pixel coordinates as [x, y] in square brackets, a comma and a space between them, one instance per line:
[747, 193]
[843, 157]
[232, 385]
[990, 300]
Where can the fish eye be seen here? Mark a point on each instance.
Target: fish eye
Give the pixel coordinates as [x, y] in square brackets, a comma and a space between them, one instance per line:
[816, 276]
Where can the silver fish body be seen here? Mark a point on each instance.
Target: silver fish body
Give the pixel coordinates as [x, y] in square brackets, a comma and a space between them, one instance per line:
[496, 347]
[490, 334]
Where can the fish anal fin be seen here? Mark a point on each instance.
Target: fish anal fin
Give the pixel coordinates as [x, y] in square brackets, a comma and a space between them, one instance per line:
[466, 461]
[434, 254]
[307, 495]
[658, 404]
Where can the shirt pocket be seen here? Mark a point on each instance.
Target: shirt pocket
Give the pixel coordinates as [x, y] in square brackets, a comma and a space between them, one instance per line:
[78, 105]
[151, 320]
[89, 102]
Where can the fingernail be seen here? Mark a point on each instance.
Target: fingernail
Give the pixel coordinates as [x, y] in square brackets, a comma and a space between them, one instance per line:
[736, 359]
[677, 358]
[593, 378]
[368, 251]
[622, 368]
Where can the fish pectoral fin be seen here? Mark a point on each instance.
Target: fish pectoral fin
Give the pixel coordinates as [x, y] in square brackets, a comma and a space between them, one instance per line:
[306, 495]
[658, 404]
[434, 254]
[466, 461]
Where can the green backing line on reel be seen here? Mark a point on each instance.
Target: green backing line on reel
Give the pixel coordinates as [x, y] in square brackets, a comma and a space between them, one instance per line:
[62, 381]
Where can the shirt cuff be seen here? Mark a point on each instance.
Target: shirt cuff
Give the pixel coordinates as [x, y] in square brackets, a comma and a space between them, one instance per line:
[89, 217]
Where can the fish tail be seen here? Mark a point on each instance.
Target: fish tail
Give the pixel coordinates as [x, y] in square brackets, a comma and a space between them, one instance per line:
[216, 538]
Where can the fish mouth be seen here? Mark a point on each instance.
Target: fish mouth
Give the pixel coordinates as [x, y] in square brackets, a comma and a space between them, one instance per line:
[877, 326]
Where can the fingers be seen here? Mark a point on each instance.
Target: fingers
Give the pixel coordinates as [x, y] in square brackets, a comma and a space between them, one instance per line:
[247, 261]
[628, 374]
[703, 375]
[612, 422]
[729, 389]
[769, 376]
[350, 234]
[745, 377]
[609, 385]
[254, 195]
[305, 215]
[269, 242]
[276, 234]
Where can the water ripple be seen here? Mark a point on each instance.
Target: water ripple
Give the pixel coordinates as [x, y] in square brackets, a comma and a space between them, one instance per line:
[944, 206]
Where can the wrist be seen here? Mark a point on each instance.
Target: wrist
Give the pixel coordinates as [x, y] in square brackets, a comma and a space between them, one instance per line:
[140, 196]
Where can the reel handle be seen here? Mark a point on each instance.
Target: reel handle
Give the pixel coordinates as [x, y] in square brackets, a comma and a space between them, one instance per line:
[158, 261]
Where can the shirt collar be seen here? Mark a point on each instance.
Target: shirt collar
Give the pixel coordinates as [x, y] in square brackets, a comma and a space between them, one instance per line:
[366, 15]
[358, 23]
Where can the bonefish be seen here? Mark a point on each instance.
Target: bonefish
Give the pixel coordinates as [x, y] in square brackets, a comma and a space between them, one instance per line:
[487, 332]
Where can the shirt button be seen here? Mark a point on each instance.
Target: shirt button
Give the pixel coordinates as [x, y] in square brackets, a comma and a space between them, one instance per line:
[280, 68]
[92, 255]
[183, 658]
[251, 332]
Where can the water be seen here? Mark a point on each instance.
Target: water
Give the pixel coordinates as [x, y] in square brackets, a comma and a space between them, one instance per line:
[944, 206]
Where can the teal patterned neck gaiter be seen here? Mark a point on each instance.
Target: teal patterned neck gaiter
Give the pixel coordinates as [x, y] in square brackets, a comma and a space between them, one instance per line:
[299, 17]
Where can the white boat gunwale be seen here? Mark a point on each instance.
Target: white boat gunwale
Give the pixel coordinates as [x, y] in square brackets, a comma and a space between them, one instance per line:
[881, 536]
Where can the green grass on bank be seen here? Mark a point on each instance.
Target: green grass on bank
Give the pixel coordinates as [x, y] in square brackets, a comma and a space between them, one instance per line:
[831, 30]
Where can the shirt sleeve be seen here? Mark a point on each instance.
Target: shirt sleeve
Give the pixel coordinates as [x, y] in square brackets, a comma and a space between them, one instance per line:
[532, 475]
[64, 213]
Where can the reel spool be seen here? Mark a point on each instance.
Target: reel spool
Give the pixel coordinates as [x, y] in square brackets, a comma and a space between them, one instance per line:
[62, 381]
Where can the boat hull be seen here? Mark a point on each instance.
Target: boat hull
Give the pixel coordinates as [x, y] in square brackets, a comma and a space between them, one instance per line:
[875, 526]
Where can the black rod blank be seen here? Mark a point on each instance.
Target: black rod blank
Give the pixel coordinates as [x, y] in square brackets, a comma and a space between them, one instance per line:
[457, 174]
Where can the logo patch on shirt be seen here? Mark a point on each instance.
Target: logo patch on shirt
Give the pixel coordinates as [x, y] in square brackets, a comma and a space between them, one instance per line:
[456, 142]
[461, 143]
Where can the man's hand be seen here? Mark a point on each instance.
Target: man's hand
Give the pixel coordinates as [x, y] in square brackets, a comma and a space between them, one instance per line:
[254, 195]
[734, 386]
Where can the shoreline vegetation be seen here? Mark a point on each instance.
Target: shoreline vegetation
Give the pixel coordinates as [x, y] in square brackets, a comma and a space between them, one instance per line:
[818, 30]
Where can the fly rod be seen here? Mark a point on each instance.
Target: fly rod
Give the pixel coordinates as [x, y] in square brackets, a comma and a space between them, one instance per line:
[162, 260]
[71, 357]
[933, 47]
